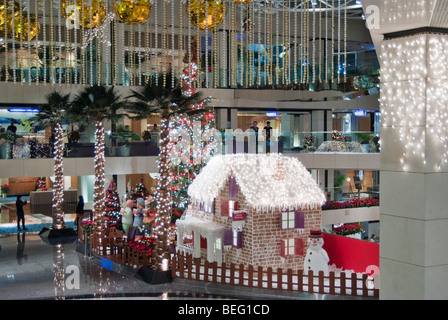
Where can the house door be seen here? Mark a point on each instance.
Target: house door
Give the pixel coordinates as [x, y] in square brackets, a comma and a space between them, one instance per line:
[214, 250]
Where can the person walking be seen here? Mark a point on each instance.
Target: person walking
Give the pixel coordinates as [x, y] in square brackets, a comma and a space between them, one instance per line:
[20, 213]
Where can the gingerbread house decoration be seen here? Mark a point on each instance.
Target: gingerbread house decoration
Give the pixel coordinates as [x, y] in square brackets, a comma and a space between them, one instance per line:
[255, 209]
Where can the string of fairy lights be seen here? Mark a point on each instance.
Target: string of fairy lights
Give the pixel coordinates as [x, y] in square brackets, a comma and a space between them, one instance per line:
[243, 43]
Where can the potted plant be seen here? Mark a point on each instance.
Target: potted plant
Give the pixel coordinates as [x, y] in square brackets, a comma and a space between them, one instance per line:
[122, 137]
[5, 189]
[146, 135]
[339, 180]
[365, 140]
[74, 136]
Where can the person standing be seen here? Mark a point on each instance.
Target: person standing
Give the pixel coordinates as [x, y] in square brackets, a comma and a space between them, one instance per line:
[20, 213]
[267, 131]
[255, 128]
[12, 129]
[79, 212]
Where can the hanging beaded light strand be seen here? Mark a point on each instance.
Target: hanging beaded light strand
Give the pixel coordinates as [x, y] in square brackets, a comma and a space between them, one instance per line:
[206, 44]
[215, 48]
[164, 43]
[173, 74]
[345, 42]
[156, 43]
[147, 50]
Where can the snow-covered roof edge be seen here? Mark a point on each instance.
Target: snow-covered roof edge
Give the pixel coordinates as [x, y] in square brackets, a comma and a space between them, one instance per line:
[268, 181]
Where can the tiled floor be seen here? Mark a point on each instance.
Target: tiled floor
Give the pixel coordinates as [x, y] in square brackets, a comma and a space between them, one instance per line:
[32, 269]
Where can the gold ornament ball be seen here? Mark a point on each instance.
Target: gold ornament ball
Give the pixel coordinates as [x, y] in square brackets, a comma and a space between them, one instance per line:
[84, 10]
[8, 8]
[21, 25]
[212, 20]
[132, 11]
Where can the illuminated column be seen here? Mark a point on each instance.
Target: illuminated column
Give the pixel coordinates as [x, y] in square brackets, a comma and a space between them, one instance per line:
[414, 164]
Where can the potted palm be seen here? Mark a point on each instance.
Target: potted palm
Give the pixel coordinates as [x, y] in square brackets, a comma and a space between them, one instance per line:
[52, 114]
[94, 105]
[121, 137]
[167, 102]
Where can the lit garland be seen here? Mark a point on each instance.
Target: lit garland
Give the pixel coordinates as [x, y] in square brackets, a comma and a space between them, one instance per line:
[413, 100]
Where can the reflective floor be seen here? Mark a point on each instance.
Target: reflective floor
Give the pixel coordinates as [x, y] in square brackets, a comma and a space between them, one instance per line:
[31, 269]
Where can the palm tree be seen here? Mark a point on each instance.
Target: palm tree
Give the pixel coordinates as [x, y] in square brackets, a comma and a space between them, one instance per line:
[94, 105]
[167, 102]
[51, 114]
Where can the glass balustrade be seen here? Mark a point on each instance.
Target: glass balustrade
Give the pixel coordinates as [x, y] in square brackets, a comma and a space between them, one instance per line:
[36, 146]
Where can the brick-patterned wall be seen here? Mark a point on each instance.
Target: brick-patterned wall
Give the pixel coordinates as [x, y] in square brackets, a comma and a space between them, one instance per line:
[262, 235]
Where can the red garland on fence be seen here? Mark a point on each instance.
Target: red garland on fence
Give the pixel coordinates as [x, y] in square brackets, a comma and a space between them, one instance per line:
[355, 203]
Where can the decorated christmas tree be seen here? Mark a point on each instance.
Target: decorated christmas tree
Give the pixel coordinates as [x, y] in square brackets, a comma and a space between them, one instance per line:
[192, 139]
[140, 190]
[112, 205]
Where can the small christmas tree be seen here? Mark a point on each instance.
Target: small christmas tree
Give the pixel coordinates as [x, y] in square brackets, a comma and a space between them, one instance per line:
[112, 205]
[140, 190]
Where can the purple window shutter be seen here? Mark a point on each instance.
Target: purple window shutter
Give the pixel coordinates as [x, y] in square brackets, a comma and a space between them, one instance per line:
[201, 206]
[228, 237]
[239, 239]
[299, 220]
[233, 188]
[224, 207]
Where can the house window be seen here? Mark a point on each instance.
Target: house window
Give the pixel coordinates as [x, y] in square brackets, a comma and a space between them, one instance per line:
[291, 219]
[233, 237]
[207, 207]
[227, 207]
[291, 247]
[218, 244]
[237, 238]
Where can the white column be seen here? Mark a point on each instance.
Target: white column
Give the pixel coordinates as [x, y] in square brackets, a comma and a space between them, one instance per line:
[414, 176]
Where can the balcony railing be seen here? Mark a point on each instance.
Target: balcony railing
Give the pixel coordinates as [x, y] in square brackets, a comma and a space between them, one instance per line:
[246, 142]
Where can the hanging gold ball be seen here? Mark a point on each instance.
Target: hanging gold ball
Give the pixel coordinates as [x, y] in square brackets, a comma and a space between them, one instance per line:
[212, 20]
[243, 1]
[132, 11]
[80, 14]
[8, 7]
[21, 26]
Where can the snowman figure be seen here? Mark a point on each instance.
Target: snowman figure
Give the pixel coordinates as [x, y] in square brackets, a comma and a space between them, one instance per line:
[316, 258]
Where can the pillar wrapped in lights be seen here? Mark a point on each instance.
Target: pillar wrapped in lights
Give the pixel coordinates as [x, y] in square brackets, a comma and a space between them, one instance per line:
[132, 11]
[99, 196]
[87, 14]
[202, 13]
[58, 185]
[163, 196]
